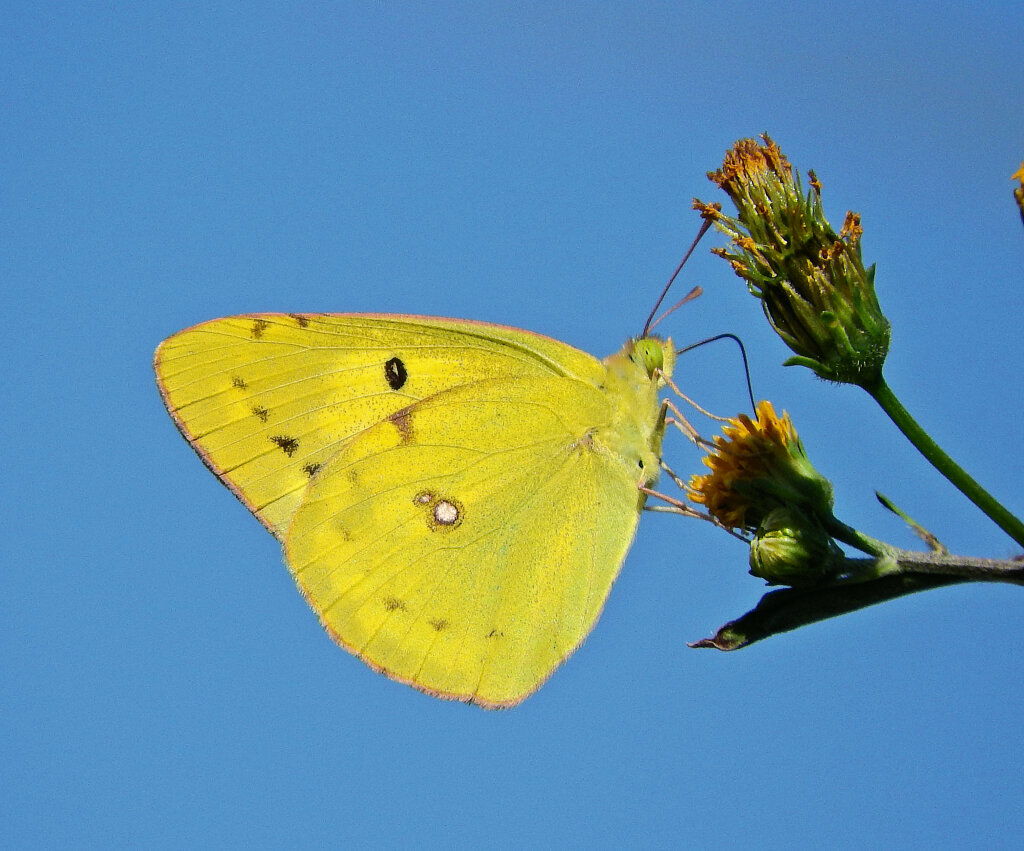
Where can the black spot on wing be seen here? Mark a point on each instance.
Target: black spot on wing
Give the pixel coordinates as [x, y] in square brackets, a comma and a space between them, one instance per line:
[311, 469]
[286, 444]
[258, 327]
[438, 624]
[395, 373]
[261, 413]
[239, 382]
[394, 604]
[300, 320]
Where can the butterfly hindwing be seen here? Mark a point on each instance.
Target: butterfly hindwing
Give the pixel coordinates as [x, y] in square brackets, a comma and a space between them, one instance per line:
[266, 399]
[467, 545]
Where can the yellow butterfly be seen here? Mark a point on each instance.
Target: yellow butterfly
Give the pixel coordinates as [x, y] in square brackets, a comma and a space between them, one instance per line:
[455, 499]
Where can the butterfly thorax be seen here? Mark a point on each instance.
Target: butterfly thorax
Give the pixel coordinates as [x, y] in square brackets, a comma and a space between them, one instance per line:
[633, 379]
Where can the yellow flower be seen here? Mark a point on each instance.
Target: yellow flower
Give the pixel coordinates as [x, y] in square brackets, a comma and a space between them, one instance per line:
[758, 466]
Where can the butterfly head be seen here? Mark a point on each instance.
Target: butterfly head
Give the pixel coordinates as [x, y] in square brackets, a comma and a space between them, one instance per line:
[653, 355]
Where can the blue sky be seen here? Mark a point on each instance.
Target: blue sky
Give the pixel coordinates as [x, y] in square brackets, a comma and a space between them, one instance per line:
[532, 164]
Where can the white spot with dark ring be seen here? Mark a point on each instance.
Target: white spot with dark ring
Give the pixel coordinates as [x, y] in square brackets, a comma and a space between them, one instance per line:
[446, 513]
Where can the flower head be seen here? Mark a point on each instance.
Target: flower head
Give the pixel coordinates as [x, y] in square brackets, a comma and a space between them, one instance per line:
[811, 281]
[758, 466]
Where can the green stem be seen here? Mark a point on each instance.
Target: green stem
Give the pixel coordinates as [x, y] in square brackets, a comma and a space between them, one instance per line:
[855, 538]
[882, 393]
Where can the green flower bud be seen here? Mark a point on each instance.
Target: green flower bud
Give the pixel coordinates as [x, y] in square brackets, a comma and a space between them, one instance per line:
[811, 281]
[791, 548]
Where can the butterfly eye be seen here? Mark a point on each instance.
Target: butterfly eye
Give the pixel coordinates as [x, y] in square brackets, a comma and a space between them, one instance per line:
[649, 353]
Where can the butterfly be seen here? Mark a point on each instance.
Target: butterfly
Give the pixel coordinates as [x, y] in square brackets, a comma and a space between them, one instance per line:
[454, 499]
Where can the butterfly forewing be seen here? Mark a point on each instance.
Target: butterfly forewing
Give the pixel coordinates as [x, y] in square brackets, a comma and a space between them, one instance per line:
[267, 399]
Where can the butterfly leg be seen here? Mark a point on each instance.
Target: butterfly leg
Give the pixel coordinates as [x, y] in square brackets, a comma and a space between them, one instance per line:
[675, 389]
[680, 422]
[674, 505]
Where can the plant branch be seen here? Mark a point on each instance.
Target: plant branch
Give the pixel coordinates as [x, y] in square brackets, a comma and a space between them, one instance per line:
[790, 608]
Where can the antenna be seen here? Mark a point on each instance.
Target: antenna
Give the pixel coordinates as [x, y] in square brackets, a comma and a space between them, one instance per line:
[703, 230]
[690, 296]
